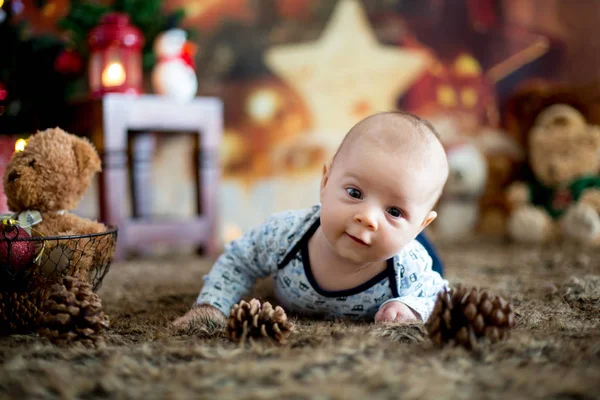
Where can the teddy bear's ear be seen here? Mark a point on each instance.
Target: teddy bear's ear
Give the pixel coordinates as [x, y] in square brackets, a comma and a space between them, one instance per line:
[88, 162]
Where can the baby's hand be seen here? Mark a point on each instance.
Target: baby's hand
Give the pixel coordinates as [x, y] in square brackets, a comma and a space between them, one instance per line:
[395, 311]
[203, 314]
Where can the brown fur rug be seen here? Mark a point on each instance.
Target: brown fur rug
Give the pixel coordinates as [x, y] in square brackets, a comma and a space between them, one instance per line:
[553, 353]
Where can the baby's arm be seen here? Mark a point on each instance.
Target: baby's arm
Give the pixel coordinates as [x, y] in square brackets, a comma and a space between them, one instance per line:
[234, 273]
[418, 286]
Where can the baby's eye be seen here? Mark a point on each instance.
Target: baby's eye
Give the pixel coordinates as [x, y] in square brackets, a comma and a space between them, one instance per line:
[354, 193]
[394, 212]
[32, 163]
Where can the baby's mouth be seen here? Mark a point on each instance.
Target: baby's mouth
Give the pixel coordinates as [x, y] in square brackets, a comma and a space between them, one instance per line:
[357, 240]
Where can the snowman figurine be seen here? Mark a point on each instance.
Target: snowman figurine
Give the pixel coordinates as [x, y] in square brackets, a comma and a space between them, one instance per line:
[174, 74]
[458, 210]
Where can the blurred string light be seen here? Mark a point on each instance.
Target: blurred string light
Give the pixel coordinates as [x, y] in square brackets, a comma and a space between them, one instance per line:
[262, 105]
[49, 9]
[20, 143]
[17, 6]
[3, 95]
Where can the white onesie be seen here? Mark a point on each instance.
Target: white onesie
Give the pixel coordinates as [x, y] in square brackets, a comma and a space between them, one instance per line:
[279, 248]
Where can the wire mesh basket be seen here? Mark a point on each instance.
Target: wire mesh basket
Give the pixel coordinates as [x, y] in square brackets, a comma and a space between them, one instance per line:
[42, 261]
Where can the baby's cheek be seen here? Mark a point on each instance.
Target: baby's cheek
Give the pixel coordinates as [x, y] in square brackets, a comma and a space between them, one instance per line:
[391, 243]
[333, 226]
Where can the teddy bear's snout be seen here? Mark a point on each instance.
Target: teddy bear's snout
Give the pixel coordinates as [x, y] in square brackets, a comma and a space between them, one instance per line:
[13, 176]
[458, 175]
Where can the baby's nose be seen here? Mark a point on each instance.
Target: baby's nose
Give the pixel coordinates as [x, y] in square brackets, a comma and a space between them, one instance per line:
[367, 220]
[13, 176]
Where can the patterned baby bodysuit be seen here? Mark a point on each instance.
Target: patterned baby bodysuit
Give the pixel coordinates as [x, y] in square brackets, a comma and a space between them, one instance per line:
[279, 248]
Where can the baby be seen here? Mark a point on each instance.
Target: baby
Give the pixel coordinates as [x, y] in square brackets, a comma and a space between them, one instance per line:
[355, 254]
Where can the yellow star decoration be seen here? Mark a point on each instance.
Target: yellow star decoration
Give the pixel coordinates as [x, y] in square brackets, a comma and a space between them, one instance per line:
[346, 74]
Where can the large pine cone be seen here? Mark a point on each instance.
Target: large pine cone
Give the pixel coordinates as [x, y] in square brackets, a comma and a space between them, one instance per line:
[21, 305]
[254, 320]
[462, 316]
[21, 312]
[73, 313]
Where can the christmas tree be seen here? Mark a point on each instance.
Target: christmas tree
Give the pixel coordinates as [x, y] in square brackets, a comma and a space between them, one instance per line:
[32, 91]
[147, 15]
[39, 74]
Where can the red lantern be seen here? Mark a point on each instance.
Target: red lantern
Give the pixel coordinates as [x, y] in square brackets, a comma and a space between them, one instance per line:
[115, 56]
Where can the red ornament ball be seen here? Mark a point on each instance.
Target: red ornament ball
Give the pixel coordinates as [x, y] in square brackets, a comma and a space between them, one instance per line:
[68, 62]
[16, 255]
[3, 92]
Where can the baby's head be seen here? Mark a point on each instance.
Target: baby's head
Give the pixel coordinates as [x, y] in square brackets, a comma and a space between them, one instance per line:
[379, 190]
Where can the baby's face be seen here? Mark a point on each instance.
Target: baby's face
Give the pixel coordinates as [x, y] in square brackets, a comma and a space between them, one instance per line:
[375, 202]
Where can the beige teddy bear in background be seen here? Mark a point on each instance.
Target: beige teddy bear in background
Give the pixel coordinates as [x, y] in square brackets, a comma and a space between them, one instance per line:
[563, 199]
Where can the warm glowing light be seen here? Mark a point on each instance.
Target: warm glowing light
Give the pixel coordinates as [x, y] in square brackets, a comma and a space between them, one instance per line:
[49, 10]
[113, 75]
[20, 143]
[469, 97]
[466, 65]
[232, 232]
[262, 105]
[1, 3]
[446, 96]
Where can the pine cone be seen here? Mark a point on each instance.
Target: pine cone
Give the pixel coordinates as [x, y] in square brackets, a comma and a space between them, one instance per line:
[462, 316]
[21, 312]
[254, 320]
[73, 313]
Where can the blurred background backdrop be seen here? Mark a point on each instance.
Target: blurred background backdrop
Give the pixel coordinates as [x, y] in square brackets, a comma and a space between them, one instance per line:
[295, 75]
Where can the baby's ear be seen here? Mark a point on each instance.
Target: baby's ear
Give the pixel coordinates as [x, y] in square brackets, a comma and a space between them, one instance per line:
[428, 219]
[326, 170]
[325, 176]
[88, 161]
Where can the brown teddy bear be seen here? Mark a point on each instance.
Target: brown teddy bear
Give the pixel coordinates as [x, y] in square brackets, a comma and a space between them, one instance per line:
[42, 183]
[563, 200]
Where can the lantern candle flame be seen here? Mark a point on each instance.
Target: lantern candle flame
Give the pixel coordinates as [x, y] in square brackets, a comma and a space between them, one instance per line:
[113, 75]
